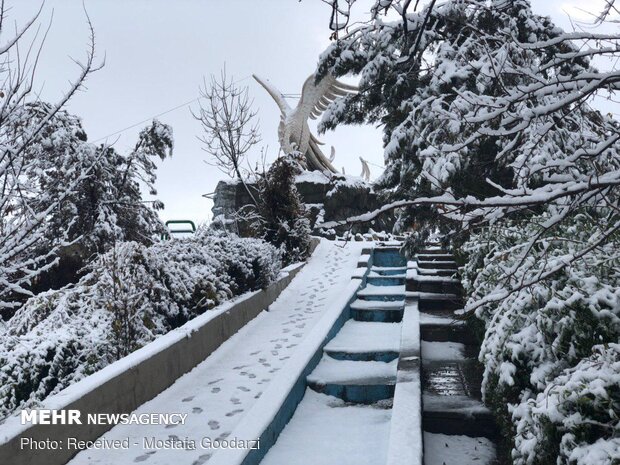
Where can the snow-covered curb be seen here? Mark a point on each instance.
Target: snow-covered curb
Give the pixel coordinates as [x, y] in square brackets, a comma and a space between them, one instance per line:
[137, 378]
[405, 445]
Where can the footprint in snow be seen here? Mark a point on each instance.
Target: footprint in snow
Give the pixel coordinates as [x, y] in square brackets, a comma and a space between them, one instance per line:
[144, 457]
[202, 459]
[215, 390]
[188, 399]
[235, 401]
[214, 425]
[196, 410]
[234, 412]
[215, 381]
[243, 388]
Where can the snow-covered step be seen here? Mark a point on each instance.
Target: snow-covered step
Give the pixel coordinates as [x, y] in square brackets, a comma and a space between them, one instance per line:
[433, 250]
[434, 319]
[354, 381]
[327, 431]
[438, 264]
[446, 350]
[448, 272]
[444, 327]
[458, 415]
[432, 283]
[365, 341]
[444, 449]
[377, 311]
[362, 261]
[382, 293]
[388, 270]
[436, 257]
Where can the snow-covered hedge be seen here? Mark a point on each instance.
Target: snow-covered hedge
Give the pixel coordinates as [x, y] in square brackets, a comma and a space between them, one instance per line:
[549, 353]
[131, 295]
[577, 417]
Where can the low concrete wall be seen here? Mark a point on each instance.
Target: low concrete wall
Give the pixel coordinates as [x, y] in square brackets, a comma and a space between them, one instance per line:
[140, 382]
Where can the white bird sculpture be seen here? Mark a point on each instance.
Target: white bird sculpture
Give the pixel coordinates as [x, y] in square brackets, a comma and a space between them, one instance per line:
[365, 170]
[294, 131]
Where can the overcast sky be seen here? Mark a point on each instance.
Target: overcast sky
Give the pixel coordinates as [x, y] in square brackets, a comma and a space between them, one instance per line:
[157, 51]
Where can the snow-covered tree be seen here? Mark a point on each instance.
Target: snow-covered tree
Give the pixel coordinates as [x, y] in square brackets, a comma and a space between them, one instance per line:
[281, 216]
[99, 209]
[489, 132]
[23, 220]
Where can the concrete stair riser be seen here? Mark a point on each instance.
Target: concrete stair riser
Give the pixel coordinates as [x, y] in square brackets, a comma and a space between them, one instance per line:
[356, 393]
[472, 424]
[379, 356]
[439, 287]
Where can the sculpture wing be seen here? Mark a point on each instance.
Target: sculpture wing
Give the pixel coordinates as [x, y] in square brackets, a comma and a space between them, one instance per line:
[275, 94]
[315, 97]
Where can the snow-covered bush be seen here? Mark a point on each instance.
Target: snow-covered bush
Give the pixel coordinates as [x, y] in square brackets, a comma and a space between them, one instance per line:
[534, 336]
[130, 295]
[576, 418]
[282, 219]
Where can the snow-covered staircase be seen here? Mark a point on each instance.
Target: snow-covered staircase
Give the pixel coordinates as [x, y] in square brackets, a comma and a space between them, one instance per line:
[458, 428]
[398, 383]
[359, 364]
[356, 376]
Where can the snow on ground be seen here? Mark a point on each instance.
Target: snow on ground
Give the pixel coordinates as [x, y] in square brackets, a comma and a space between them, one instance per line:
[327, 431]
[433, 350]
[361, 337]
[218, 392]
[441, 449]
